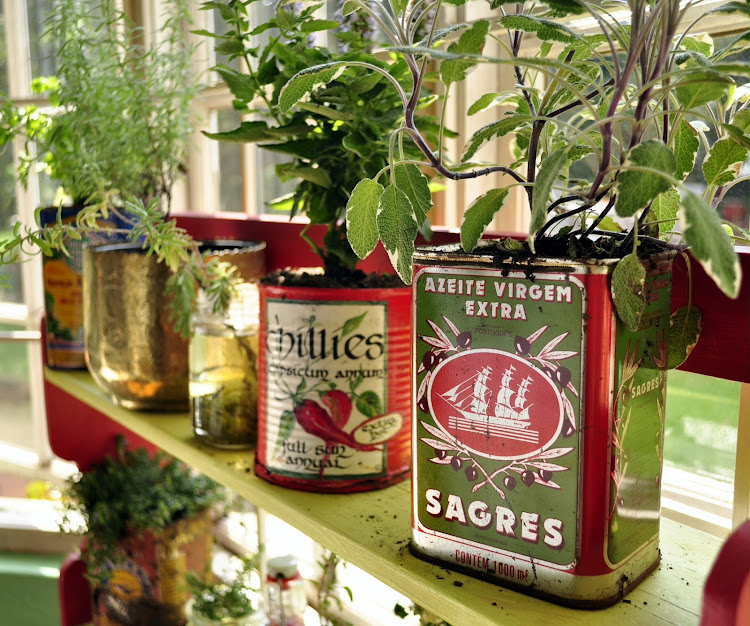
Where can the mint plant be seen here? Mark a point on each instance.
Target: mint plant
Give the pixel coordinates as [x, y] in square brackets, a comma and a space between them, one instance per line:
[340, 134]
[633, 102]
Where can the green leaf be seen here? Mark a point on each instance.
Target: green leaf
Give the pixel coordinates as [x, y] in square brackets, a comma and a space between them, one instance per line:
[352, 324]
[312, 26]
[471, 41]
[349, 7]
[361, 146]
[665, 208]
[628, 287]
[314, 175]
[246, 132]
[545, 30]
[286, 425]
[609, 225]
[397, 227]
[361, 217]
[709, 243]
[700, 87]
[369, 404]
[482, 103]
[545, 179]
[733, 7]
[637, 188]
[702, 44]
[723, 162]
[306, 81]
[742, 120]
[479, 215]
[326, 111]
[685, 148]
[241, 85]
[684, 331]
[500, 128]
[230, 47]
[414, 184]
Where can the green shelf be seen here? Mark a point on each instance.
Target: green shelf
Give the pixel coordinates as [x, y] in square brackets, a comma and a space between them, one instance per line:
[371, 530]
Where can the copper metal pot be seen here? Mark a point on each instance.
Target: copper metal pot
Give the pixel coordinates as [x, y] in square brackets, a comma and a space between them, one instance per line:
[132, 350]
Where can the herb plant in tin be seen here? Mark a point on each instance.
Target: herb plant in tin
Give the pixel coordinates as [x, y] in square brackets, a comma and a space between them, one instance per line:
[539, 378]
[333, 406]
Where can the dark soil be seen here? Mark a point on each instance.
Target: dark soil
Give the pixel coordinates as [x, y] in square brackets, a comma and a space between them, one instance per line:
[344, 279]
[571, 247]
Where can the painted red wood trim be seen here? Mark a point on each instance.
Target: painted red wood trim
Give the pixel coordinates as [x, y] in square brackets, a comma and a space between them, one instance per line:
[723, 350]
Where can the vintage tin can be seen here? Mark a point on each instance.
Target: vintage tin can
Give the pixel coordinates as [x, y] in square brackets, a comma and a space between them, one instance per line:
[149, 585]
[63, 289]
[334, 393]
[539, 423]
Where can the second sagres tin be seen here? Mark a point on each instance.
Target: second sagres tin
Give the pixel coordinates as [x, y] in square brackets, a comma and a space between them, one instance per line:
[538, 428]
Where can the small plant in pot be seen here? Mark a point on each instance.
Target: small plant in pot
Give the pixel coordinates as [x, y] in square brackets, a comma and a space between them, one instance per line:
[540, 363]
[235, 602]
[116, 140]
[333, 406]
[147, 520]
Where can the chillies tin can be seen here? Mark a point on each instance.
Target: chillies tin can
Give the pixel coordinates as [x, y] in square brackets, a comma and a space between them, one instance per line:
[334, 391]
[539, 423]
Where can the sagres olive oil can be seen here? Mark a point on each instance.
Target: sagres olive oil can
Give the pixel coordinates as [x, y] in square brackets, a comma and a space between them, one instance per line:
[334, 389]
[539, 422]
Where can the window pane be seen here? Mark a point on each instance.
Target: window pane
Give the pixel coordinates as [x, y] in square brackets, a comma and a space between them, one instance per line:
[41, 48]
[3, 51]
[230, 164]
[271, 189]
[701, 424]
[15, 402]
[10, 275]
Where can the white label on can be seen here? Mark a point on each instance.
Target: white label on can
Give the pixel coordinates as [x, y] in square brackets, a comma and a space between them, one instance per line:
[326, 365]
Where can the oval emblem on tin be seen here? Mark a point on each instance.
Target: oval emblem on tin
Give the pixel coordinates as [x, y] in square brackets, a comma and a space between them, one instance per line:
[378, 429]
[496, 404]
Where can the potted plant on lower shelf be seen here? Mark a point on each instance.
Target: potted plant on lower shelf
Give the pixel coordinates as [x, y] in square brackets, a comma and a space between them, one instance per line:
[334, 408]
[540, 363]
[147, 522]
[235, 602]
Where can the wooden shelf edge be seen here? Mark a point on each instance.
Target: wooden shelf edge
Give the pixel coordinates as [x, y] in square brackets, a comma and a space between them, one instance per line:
[371, 531]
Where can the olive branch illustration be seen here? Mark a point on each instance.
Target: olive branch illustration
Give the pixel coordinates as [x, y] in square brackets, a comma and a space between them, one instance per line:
[622, 413]
[449, 451]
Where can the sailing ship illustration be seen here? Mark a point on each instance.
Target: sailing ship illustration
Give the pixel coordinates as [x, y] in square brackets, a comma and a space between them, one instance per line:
[506, 417]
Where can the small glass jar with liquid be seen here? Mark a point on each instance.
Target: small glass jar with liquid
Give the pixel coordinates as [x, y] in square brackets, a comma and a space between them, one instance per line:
[224, 371]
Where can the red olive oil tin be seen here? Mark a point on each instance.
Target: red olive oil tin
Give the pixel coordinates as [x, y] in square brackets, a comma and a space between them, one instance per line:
[539, 422]
[334, 391]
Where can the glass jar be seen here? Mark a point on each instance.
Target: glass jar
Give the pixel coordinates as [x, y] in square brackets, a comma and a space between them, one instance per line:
[285, 593]
[224, 371]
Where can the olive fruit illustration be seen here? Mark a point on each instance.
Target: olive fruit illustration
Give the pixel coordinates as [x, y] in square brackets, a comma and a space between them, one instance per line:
[568, 429]
[562, 376]
[471, 473]
[441, 454]
[528, 478]
[545, 475]
[509, 482]
[423, 405]
[464, 340]
[429, 360]
[456, 463]
[523, 347]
